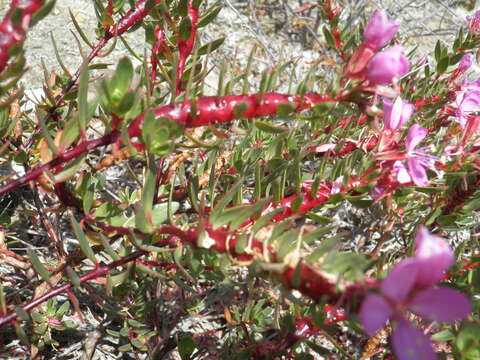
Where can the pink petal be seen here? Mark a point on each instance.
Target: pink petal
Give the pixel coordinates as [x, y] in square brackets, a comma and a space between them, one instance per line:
[374, 313]
[403, 177]
[387, 113]
[396, 113]
[380, 29]
[441, 304]
[417, 172]
[415, 135]
[387, 65]
[410, 343]
[433, 255]
[399, 282]
[337, 185]
[465, 62]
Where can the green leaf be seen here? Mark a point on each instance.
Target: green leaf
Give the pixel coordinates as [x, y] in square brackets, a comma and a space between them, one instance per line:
[117, 279]
[79, 30]
[468, 341]
[268, 128]
[160, 212]
[186, 347]
[286, 109]
[210, 47]
[443, 336]
[21, 334]
[328, 36]
[37, 265]
[447, 220]
[319, 219]
[73, 277]
[148, 191]
[82, 241]
[69, 170]
[442, 65]
[126, 103]
[185, 29]
[139, 345]
[320, 350]
[141, 220]
[182, 8]
[125, 348]
[209, 16]
[326, 246]
[224, 200]
[62, 310]
[265, 219]
[432, 217]
[350, 265]
[83, 111]
[120, 82]
[438, 50]
[22, 314]
[42, 12]
[239, 109]
[431, 189]
[158, 134]
[323, 108]
[237, 215]
[37, 317]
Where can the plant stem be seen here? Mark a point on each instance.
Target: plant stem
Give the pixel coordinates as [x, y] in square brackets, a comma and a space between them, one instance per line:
[97, 272]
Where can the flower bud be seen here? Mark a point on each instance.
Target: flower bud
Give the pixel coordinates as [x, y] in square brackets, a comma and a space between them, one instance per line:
[380, 29]
[386, 65]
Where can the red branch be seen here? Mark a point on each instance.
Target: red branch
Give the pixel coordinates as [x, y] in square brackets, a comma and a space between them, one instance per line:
[158, 47]
[77, 151]
[210, 110]
[136, 14]
[332, 13]
[11, 33]
[97, 272]
[185, 47]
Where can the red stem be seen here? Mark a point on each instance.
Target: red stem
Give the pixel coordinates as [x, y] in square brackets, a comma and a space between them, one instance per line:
[11, 33]
[97, 272]
[331, 14]
[158, 47]
[77, 151]
[210, 110]
[185, 47]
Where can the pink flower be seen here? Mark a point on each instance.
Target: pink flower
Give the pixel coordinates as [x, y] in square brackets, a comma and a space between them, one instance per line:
[467, 101]
[418, 160]
[337, 186]
[380, 29]
[387, 65]
[410, 287]
[474, 21]
[465, 62]
[397, 113]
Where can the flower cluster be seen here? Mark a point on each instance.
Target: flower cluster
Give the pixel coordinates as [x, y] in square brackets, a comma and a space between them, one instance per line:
[411, 286]
[390, 64]
[386, 66]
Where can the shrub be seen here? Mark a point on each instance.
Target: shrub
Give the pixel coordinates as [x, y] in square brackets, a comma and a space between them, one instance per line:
[207, 225]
